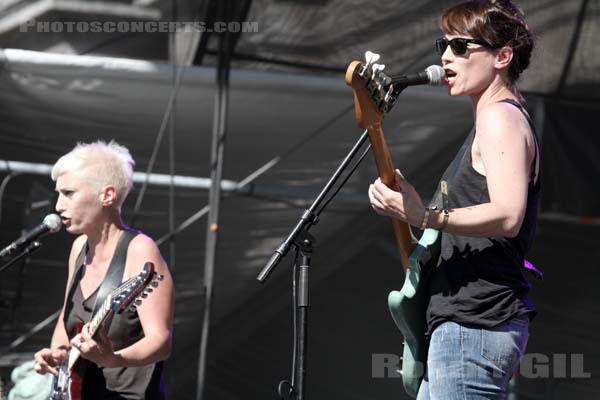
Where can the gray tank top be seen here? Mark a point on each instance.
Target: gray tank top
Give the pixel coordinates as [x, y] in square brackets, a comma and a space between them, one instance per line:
[111, 383]
[479, 282]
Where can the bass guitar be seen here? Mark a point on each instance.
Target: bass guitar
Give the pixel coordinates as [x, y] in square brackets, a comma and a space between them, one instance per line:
[68, 384]
[374, 96]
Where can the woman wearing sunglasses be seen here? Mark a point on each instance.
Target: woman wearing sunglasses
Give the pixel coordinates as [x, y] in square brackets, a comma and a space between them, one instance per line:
[479, 310]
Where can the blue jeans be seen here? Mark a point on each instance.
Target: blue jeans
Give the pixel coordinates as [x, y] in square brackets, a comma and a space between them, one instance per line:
[473, 363]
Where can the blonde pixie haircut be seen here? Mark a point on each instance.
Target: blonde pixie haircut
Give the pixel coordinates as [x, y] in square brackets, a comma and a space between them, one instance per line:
[99, 164]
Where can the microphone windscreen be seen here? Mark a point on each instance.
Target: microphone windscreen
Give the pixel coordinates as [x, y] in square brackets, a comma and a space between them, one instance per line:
[436, 75]
[53, 222]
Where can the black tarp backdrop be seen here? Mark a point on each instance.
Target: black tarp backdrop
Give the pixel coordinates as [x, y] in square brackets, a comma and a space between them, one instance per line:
[571, 158]
[48, 104]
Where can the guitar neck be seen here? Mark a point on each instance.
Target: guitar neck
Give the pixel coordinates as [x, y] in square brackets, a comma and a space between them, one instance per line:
[404, 239]
[96, 322]
[100, 316]
[116, 301]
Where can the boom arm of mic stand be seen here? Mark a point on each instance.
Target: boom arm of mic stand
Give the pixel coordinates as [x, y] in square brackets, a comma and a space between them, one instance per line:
[33, 247]
[309, 217]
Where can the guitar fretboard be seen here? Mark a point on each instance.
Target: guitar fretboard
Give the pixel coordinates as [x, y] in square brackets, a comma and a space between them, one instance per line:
[100, 315]
[108, 304]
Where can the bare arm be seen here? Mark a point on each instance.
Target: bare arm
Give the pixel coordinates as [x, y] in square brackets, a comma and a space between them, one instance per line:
[506, 148]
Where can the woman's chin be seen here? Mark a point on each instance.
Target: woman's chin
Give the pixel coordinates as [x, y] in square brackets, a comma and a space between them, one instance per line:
[72, 229]
[454, 92]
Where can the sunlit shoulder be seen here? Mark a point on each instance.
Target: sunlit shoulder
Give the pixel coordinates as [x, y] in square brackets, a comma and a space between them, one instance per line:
[143, 249]
[501, 121]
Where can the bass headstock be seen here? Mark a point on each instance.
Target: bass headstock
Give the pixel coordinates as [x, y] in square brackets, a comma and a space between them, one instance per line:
[374, 95]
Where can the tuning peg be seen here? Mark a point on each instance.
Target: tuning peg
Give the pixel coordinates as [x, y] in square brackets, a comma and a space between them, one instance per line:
[390, 98]
[144, 295]
[371, 57]
[385, 80]
[387, 97]
[377, 68]
[154, 284]
[148, 290]
[382, 86]
[137, 302]
[132, 308]
[160, 277]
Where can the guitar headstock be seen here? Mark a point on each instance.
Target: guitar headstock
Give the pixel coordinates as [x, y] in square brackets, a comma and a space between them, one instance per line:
[374, 95]
[135, 289]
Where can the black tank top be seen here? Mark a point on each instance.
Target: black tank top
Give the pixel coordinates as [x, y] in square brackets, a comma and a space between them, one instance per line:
[125, 329]
[479, 282]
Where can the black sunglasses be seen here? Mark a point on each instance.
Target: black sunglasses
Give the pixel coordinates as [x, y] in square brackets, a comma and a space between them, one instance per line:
[458, 45]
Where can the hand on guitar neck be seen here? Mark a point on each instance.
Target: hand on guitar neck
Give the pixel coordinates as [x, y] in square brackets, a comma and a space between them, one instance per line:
[98, 349]
[404, 204]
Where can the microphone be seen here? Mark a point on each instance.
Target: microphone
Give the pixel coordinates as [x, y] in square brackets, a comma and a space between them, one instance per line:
[433, 75]
[51, 224]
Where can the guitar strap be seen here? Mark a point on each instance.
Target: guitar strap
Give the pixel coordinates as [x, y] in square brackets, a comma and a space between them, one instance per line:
[114, 275]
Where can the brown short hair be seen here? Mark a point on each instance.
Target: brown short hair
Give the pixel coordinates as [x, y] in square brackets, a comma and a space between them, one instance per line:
[498, 22]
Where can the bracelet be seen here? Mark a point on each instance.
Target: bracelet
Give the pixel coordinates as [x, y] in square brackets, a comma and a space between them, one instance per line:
[425, 219]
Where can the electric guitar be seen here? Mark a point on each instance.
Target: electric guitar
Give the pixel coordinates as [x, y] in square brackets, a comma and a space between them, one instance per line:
[374, 96]
[68, 384]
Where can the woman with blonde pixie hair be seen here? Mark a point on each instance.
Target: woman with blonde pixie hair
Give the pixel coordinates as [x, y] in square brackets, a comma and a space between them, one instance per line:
[100, 164]
[479, 309]
[125, 361]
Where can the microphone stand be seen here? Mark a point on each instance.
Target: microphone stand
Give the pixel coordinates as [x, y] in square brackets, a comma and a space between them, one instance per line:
[31, 248]
[304, 244]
